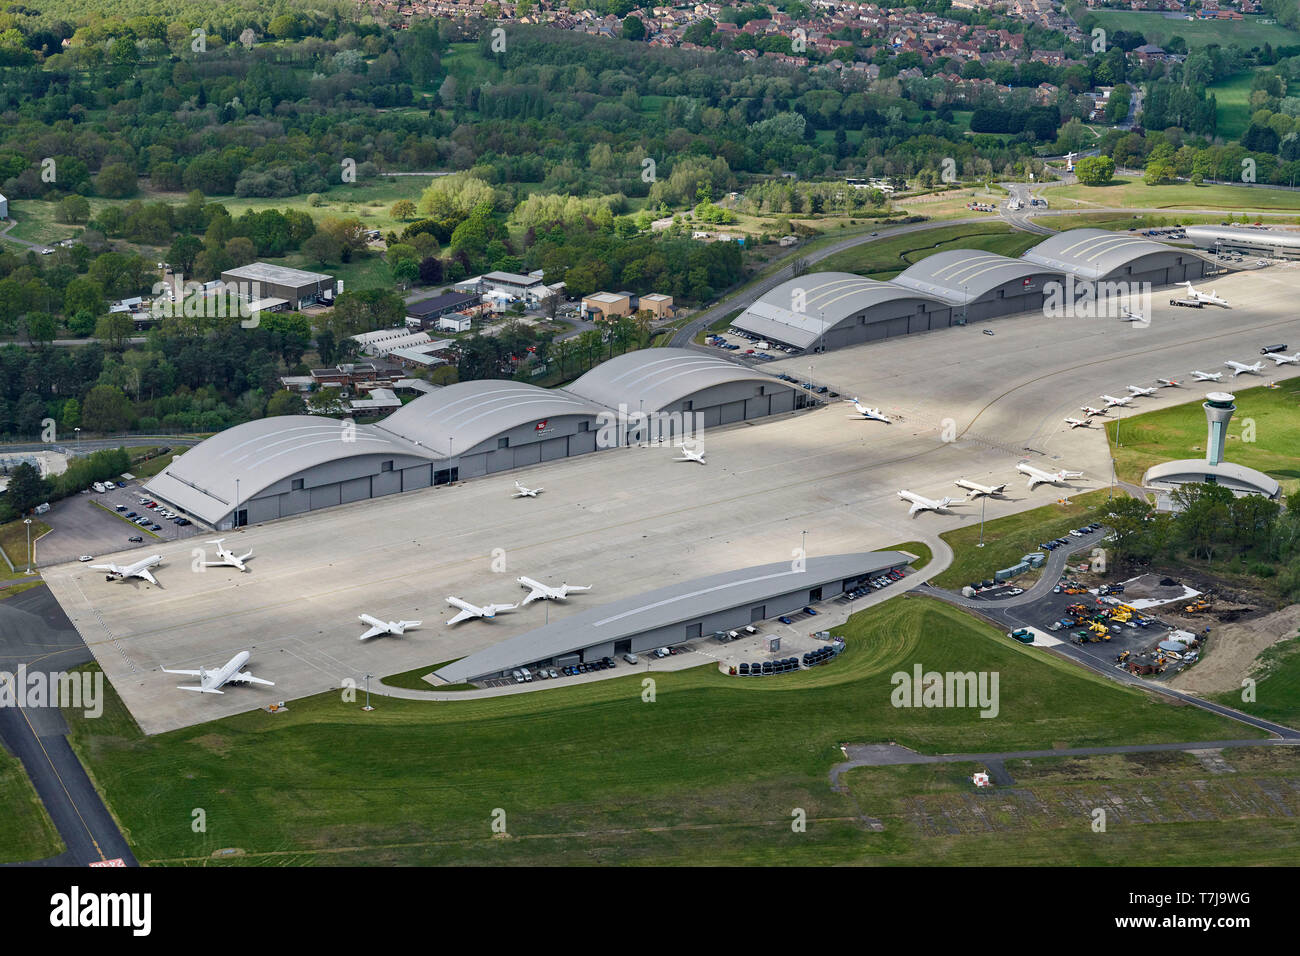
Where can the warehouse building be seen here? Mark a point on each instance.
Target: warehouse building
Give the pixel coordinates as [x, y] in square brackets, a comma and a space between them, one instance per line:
[424, 314]
[676, 614]
[261, 280]
[980, 285]
[1246, 241]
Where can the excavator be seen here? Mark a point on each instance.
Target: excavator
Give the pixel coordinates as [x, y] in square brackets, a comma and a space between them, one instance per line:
[1200, 604]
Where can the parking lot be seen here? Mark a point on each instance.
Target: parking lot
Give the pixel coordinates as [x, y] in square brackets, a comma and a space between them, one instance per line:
[746, 346]
[90, 523]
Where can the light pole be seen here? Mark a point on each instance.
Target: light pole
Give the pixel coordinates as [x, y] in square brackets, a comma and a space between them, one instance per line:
[28, 522]
[78, 431]
[983, 500]
[368, 707]
[803, 544]
[236, 524]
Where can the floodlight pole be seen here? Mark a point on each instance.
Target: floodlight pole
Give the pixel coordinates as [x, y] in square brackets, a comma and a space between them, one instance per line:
[368, 707]
[236, 522]
[983, 500]
[28, 522]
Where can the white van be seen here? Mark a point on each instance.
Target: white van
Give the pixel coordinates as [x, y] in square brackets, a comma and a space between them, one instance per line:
[631, 658]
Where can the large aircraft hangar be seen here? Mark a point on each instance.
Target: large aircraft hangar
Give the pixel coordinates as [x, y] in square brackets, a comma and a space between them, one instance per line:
[979, 285]
[1096, 255]
[281, 466]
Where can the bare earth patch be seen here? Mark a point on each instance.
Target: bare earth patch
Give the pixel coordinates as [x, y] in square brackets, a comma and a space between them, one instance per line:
[1233, 649]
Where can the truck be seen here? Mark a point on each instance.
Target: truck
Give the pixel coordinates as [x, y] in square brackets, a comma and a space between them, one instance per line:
[1022, 635]
[1187, 303]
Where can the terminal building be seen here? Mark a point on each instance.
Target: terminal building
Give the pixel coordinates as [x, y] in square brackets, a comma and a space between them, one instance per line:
[827, 310]
[676, 614]
[281, 466]
[1246, 241]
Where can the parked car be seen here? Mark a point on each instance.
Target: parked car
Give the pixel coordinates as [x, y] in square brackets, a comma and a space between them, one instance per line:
[86, 557]
[135, 539]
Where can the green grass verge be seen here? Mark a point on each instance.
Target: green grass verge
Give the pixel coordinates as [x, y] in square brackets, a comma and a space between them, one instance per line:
[13, 540]
[144, 470]
[1008, 539]
[1264, 434]
[707, 773]
[7, 592]
[919, 548]
[886, 257]
[414, 679]
[1277, 685]
[26, 832]
[1232, 104]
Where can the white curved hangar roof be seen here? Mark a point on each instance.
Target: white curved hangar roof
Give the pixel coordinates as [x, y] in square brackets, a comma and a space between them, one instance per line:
[828, 298]
[960, 276]
[458, 417]
[652, 379]
[1230, 474]
[1093, 253]
[257, 454]
[1205, 236]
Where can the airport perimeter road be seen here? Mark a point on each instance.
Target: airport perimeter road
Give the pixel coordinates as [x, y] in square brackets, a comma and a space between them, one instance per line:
[34, 631]
[86, 445]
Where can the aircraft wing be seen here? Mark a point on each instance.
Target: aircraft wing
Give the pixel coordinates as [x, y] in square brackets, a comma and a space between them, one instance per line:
[199, 690]
[916, 509]
[534, 595]
[493, 608]
[577, 587]
[462, 616]
[144, 573]
[186, 673]
[246, 676]
[373, 632]
[104, 567]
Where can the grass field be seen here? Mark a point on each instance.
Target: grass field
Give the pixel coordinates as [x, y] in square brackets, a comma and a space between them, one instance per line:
[6, 592]
[1247, 33]
[1136, 194]
[707, 773]
[1277, 689]
[1266, 415]
[26, 832]
[1118, 222]
[1232, 101]
[1007, 539]
[13, 539]
[887, 257]
[932, 814]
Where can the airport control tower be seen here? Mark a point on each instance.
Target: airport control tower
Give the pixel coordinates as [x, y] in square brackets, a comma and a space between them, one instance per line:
[1218, 411]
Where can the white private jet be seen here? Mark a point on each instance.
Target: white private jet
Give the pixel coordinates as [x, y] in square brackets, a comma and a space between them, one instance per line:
[1092, 411]
[1111, 401]
[691, 453]
[1239, 367]
[1039, 477]
[1208, 297]
[378, 627]
[228, 559]
[1282, 359]
[1078, 422]
[974, 489]
[1166, 383]
[1207, 376]
[211, 682]
[920, 503]
[120, 572]
[467, 610]
[1137, 390]
[867, 414]
[1129, 315]
[543, 592]
[522, 492]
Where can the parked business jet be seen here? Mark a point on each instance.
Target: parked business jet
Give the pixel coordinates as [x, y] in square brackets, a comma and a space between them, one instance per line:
[1166, 383]
[1207, 376]
[467, 610]
[1137, 390]
[1111, 401]
[378, 627]
[974, 489]
[1207, 297]
[211, 682]
[522, 492]
[920, 503]
[228, 559]
[119, 572]
[1129, 315]
[1282, 359]
[1092, 411]
[867, 414]
[693, 452]
[1078, 422]
[1038, 476]
[542, 592]
[1239, 367]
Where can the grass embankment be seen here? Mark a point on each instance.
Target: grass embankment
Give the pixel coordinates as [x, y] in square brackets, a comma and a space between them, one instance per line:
[144, 470]
[1007, 540]
[919, 548]
[1277, 685]
[1264, 434]
[26, 832]
[707, 773]
[414, 679]
[890, 255]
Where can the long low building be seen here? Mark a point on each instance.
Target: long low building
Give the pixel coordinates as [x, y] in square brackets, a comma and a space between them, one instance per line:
[676, 614]
[281, 466]
[828, 310]
[1256, 242]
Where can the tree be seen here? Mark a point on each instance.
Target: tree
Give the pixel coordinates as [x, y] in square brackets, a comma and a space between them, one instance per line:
[74, 209]
[27, 488]
[633, 28]
[1094, 170]
[323, 247]
[285, 402]
[114, 329]
[40, 328]
[116, 181]
[403, 210]
[184, 250]
[107, 409]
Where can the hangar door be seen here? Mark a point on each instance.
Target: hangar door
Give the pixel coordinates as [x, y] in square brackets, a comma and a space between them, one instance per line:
[732, 412]
[529, 454]
[555, 448]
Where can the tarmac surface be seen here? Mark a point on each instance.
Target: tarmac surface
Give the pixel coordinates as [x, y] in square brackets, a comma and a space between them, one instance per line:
[629, 520]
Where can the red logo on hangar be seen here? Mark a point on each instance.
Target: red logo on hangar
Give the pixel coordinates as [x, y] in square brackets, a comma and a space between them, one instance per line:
[541, 425]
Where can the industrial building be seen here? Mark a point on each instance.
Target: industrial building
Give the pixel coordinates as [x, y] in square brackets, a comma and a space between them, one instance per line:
[276, 467]
[1247, 241]
[262, 280]
[681, 612]
[426, 313]
[828, 310]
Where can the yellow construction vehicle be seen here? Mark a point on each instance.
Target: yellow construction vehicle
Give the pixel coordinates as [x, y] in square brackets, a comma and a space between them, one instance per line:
[1201, 604]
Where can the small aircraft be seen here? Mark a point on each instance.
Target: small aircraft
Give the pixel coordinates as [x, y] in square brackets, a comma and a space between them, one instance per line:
[1129, 315]
[1208, 297]
[1166, 383]
[119, 572]
[692, 452]
[1239, 367]
[522, 492]
[378, 627]
[467, 610]
[1137, 390]
[542, 592]
[1078, 422]
[211, 682]
[1092, 411]
[227, 559]
[1207, 376]
[975, 489]
[920, 503]
[1282, 359]
[1111, 401]
[1038, 476]
[867, 414]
